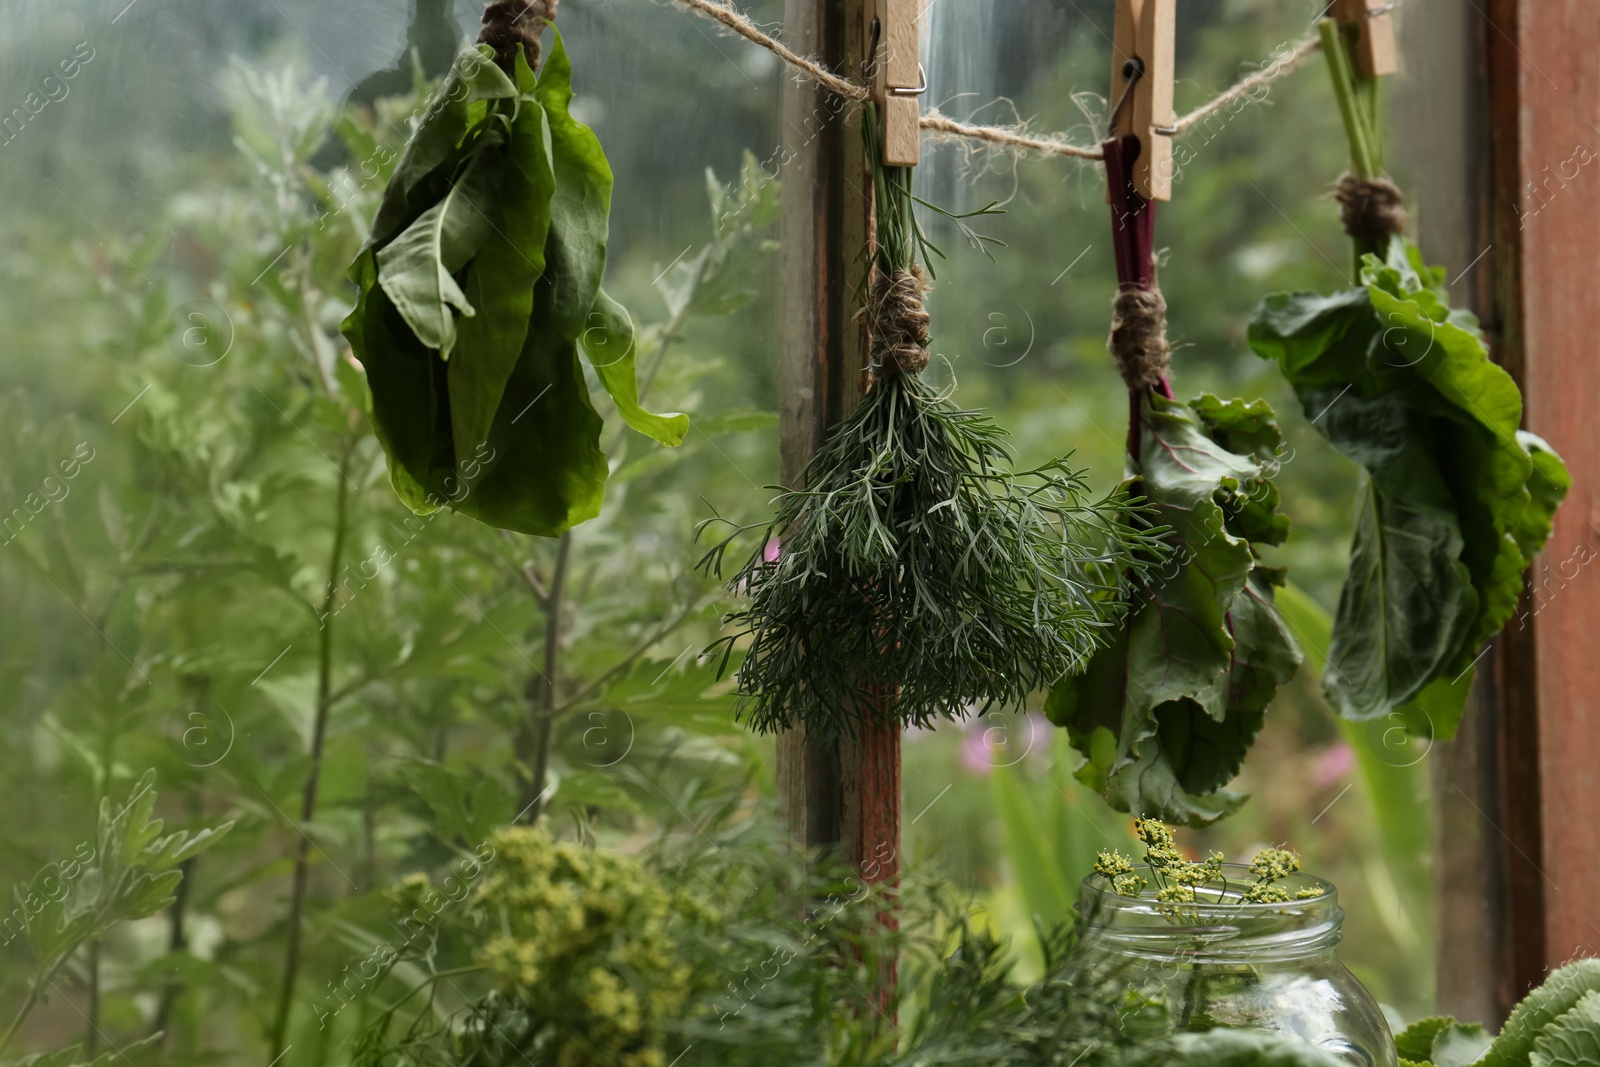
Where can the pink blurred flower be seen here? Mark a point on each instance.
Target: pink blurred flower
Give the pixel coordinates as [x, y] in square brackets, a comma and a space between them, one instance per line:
[1336, 761]
[994, 741]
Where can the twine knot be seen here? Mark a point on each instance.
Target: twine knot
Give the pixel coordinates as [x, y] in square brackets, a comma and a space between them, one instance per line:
[1139, 337]
[1370, 208]
[899, 322]
[508, 23]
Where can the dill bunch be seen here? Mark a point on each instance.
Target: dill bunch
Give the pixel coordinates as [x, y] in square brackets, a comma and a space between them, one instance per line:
[919, 577]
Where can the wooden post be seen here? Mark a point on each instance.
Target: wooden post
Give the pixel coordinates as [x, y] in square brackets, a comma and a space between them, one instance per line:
[1486, 108]
[1544, 222]
[841, 795]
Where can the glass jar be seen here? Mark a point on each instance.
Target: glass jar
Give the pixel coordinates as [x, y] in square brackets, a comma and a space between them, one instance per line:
[1225, 962]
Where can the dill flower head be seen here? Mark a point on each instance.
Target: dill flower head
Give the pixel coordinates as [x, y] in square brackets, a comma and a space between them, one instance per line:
[1128, 885]
[1266, 893]
[1274, 863]
[1112, 864]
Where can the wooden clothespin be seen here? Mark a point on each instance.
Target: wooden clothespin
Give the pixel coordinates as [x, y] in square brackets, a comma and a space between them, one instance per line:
[1141, 89]
[897, 78]
[1374, 49]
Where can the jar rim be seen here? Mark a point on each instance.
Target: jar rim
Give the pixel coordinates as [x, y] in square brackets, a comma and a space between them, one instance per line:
[1225, 930]
[1230, 900]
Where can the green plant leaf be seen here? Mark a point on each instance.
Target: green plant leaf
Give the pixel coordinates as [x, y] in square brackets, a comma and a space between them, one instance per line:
[502, 278]
[145, 894]
[465, 806]
[409, 409]
[1449, 520]
[1548, 485]
[1037, 868]
[610, 342]
[581, 208]
[432, 151]
[1573, 1040]
[1415, 1042]
[1460, 1045]
[1531, 1018]
[132, 1052]
[417, 268]
[1406, 603]
[1166, 713]
[544, 471]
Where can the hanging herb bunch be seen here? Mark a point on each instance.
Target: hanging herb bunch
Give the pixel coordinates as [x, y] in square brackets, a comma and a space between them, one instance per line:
[1457, 499]
[1166, 713]
[916, 576]
[480, 285]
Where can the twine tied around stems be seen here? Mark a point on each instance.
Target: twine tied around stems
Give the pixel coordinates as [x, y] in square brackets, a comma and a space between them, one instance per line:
[1139, 337]
[508, 23]
[1370, 209]
[898, 321]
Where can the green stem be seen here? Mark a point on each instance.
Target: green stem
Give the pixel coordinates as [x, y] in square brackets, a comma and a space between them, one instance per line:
[1191, 992]
[22, 1014]
[1362, 161]
[308, 801]
[91, 1036]
[533, 745]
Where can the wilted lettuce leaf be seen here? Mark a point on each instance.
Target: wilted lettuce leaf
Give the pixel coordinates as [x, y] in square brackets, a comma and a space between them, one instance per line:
[478, 289]
[502, 276]
[1457, 499]
[417, 268]
[1166, 713]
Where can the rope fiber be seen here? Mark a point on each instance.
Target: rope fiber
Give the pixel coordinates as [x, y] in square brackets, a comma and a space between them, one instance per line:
[943, 127]
[508, 23]
[1370, 208]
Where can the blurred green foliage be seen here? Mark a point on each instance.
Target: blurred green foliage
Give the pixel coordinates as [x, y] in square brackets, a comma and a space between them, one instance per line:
[170, 294]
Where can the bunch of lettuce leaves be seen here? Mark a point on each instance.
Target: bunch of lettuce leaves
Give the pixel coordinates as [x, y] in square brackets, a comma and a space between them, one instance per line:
[479, 286]
[1167, 712]
[1457, 500]
[1556, 1025]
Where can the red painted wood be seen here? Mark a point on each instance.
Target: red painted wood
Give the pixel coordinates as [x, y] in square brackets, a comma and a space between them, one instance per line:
[1544, 84]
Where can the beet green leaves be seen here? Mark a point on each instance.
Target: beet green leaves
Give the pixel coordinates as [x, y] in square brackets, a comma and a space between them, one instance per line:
[1457, 500]
[1167, 712]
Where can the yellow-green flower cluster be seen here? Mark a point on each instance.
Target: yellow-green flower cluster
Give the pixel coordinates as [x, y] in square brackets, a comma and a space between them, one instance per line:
[1119, 869]
[1270, 866]
[588, 945]
[1274, 863]
[1160, 850]
[1112, 864]
[1197, 875]
[1265, 893]
[1176, 894]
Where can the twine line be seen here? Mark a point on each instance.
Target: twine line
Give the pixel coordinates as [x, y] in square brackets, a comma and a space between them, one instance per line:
[1015, 138]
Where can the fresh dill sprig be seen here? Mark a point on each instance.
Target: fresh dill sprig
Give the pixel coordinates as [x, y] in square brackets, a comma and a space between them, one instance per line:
[918, 577]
